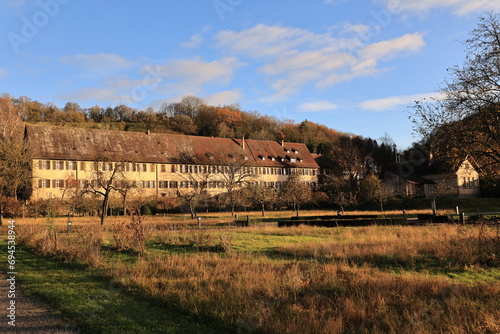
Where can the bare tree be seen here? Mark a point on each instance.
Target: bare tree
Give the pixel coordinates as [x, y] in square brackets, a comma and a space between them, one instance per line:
[296, 192]
[464, 119]
[374, 189]
[11, 120]
[234, 171]
[15, 154]
[261, 195]
[340, 191]
[108, 176]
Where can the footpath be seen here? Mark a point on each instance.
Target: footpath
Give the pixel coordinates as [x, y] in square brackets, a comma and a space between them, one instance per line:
[31, 314]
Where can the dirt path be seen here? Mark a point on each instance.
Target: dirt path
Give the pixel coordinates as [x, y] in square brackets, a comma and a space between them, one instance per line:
[31, 315]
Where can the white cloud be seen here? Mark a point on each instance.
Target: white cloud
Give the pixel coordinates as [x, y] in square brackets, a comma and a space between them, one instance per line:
[193, 42]
[394, 102]
[102, 62]
[290, 57]
[198, 72]
[223, 98]
[459, 7]
[3, 73]
[317, 106]
[264, 40]
[386, 50]
[175, 77]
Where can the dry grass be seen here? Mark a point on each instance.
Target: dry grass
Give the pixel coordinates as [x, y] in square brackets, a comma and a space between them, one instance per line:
[337, 284]
[253, 294]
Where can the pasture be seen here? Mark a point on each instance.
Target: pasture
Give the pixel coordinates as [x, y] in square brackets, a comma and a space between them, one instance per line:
[162, 274]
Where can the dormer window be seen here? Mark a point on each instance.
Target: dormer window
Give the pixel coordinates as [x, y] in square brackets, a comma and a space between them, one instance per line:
[262, 157]
[273, 159]
[293, 160]
[295, 151]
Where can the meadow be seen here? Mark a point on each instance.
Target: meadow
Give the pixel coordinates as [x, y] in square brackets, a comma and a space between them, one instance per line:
[263, 279]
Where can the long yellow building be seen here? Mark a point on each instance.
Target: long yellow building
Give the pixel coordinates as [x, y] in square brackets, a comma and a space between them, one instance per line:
[157, 164]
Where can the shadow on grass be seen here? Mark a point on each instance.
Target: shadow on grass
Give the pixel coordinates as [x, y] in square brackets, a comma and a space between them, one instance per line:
[185, 248]
[97, 305]
[427, 263]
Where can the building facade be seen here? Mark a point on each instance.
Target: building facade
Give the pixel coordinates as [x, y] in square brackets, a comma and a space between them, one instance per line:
[430, 178]
[68, 159]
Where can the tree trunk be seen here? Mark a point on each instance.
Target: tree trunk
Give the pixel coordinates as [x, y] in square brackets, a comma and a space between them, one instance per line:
[1, 214]
[124, 205]
[104, 210]
[191, 210]
[297, 208]
[263, 208]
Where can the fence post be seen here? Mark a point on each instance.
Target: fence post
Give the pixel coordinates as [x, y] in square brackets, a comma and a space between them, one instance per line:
[462, 218]
[248, 220]
[199, 223]
[70, 226]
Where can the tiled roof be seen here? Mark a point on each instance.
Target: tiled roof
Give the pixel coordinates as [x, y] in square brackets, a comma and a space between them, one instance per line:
[70, 143]
[273, 154]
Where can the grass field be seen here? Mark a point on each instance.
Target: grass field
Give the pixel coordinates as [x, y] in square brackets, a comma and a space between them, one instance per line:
[152, 275]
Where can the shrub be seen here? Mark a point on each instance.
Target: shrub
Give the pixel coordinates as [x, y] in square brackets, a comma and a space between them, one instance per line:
[145, 210]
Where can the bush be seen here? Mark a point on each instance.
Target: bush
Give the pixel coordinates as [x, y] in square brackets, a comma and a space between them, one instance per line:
[145, 210]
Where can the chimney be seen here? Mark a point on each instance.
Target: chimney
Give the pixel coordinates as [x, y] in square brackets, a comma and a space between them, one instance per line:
[243, 142]
[282, 143]
[149, 132]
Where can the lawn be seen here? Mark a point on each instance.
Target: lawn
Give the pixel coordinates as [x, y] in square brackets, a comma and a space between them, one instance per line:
[264, 279]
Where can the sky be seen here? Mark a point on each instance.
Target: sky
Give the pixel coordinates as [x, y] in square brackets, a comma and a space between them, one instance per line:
[356, 66]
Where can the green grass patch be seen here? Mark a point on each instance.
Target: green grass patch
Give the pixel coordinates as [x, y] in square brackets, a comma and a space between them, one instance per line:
[96, 305]
[256, 242]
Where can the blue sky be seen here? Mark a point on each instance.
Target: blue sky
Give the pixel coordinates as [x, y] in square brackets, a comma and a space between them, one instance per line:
[353, 65]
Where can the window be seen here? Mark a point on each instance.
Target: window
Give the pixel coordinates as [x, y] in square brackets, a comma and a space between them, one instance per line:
[59, 165]
[163, 169]
[44, 183]
[174, 184]
[278, 185]
[44, 164]
[184, 184]
[163, 184]
[71, 165]
[107, 166]
[58, 183]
